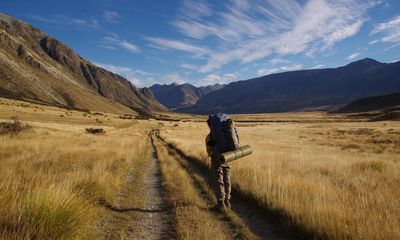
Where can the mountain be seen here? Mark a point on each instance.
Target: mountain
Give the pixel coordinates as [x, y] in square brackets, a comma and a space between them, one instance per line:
[176, 96]
[303, 90]
[372, 103]
[37, 67]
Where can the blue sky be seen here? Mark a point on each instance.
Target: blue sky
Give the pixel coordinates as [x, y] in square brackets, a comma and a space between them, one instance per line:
[207, 42]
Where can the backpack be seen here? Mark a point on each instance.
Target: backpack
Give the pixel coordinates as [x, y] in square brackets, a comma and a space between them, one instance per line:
[223, 133]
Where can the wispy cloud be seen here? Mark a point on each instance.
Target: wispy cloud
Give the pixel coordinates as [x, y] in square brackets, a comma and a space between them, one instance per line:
[317, 27]
[392, 46]
[196, 9]
[115, 42]
[165, 44]
[353, 56]
[267, 71]
[390, 31]
[318, 66]
[137, 77]
[188, 66]
[77, 23]
[141, 78]
[212, 79]
[46, 19]
[172, 78]
[276, 61]
[112, 17]
[245, 31]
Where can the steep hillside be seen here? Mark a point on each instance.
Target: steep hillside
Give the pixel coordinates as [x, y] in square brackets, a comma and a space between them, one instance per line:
[35, 66]
[372, 103]
[176, 96]
[299, 90]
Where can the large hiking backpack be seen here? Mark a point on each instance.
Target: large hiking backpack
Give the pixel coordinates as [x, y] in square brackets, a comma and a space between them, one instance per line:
[223, 132]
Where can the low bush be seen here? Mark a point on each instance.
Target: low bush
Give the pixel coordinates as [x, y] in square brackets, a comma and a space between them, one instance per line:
[95, 131]
[13, 127]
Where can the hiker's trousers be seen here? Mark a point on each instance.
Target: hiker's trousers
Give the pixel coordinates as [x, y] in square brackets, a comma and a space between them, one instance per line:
[221, 180]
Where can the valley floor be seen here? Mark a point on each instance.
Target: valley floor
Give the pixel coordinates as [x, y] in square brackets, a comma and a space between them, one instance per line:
[312, 175]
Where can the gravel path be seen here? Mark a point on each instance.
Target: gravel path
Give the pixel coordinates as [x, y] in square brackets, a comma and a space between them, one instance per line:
[154, 223]
[141, 211]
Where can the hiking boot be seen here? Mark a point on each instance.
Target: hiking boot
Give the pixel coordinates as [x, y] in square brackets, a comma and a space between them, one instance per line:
[219, 207]
[228, 203]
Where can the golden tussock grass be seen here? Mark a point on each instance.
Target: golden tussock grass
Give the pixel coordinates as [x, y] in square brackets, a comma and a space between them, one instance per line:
[53, 175]
[333, 179]
[330, 176]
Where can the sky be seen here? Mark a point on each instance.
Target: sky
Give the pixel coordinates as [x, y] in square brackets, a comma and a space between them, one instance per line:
[207, 42]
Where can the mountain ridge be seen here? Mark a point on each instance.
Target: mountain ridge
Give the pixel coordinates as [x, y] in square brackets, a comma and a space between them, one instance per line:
[302, 89]
[176, 96]
[36, 66]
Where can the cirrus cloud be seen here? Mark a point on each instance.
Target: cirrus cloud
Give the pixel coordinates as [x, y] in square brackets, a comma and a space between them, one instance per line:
[212, 79]
[137, 77]
[245, 31]
[115, 42]
[389, 30]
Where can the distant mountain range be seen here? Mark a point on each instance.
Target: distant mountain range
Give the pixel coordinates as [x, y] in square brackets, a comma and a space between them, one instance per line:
[303, 90]
[37, 67]
[175, 96]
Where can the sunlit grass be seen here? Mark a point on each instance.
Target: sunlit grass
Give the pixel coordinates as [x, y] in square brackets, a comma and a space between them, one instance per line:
[53, 176]
[303, 171]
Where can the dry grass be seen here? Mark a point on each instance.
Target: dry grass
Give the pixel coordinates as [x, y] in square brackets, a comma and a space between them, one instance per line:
[14, 127]
[52, 177]
[193, 220]
[333, 179]
[330, 176]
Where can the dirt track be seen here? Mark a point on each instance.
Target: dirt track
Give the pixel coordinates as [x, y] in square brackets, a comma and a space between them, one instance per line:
[141, 211]
[152, 218]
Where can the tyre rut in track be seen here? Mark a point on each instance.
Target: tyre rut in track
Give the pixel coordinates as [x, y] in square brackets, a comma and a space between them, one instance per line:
[149, 218]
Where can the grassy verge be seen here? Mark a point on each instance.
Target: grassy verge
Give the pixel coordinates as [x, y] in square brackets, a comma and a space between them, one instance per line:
[302, 173]
[52, 180]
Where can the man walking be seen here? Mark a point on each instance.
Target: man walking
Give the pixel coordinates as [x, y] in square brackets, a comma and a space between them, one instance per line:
[222, 138]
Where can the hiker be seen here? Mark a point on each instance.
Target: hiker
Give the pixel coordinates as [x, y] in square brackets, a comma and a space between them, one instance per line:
[223, 137]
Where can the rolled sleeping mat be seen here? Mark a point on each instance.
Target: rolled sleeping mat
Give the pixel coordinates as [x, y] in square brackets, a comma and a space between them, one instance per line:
[236, 154]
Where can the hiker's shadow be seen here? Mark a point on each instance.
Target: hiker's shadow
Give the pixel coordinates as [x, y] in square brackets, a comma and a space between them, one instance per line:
[109, 206]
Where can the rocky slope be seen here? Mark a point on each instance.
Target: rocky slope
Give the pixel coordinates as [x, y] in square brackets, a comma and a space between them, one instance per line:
[176, 96]
[37, 67]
